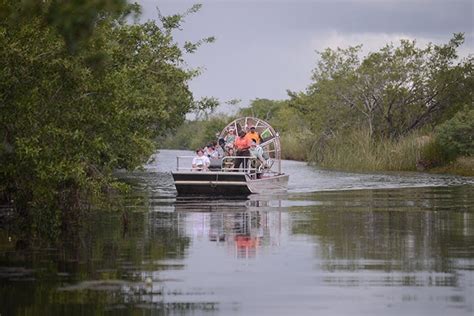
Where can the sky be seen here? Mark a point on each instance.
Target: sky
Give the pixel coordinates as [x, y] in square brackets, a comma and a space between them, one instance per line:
[265, 47]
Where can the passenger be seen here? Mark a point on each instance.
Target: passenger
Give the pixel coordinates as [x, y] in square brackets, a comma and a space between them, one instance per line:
[211, 152]
[219, 152]
[256, 151]
[206, 150]
[242, 145]
[259, 160]
[253, 135]
[231, 152]
[228, 161]
[220, 147]
[200, 162]
[230, 138]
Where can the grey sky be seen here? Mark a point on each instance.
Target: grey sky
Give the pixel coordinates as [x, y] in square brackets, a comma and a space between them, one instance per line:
[265, 47]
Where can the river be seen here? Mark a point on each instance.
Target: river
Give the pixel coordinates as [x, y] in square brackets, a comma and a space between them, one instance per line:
[336, 244]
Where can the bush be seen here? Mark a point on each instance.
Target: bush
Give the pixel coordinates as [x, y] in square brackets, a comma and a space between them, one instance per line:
[193, 134]
[455, 136]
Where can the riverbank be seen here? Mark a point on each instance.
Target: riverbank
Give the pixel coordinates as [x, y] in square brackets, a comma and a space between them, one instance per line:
[356, 152]
[362, 160]
[462, 166]
[446, 149]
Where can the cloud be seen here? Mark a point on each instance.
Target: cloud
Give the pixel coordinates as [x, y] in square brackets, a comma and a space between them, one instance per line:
[264, 47]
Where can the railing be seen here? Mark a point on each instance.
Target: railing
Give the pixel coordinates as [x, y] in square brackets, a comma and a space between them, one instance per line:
[226, 164]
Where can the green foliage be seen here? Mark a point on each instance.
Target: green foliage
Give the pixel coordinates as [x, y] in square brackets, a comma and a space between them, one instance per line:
[204, 107]
[456, 136]
[71, 117]
[194, 134]
[262, 108]
[372, 112]
[393, 91]
[75, 21]
[362, 113]
[462, 165]
[294, 146]
[277, 113]
[295, 135]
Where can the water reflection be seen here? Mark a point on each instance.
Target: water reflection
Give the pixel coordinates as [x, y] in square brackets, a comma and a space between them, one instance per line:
[366, 252]
[241, 233]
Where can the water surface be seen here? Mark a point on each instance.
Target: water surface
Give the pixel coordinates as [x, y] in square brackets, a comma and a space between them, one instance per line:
[335, 244]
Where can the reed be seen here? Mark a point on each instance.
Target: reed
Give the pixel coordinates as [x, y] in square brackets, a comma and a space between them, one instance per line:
[357, 151]
[294, 147]
[462, 166]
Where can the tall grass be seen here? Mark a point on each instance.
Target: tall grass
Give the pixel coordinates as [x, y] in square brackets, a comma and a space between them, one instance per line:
[463, 166]
[357, 151]
[293, 146]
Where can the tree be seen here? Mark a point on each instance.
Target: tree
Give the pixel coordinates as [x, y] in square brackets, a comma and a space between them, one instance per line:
[264, 109]
[392, 92]
[73, 109]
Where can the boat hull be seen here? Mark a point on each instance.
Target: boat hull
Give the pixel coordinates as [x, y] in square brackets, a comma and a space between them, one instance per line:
[226, 183]
[269, 184]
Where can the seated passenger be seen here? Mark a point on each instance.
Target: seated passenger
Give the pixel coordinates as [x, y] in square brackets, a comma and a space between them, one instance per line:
[228, 161]
[257, 152]
[230, 152]
[220, 147]
[230, 138]
[211, 152]
[259, 160]
[200, 161]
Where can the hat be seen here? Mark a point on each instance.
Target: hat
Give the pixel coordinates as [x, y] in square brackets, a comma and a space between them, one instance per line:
[252, 127]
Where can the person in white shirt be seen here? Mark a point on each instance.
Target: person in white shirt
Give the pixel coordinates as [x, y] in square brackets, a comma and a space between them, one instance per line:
[257, 153]
[200, 161]
[211, 151]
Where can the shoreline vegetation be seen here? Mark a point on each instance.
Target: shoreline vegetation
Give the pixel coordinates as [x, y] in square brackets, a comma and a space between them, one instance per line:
[85, 89]
[355, 153]
[402, 108]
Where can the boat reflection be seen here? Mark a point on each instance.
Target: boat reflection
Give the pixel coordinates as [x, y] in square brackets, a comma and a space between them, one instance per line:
[242, 226]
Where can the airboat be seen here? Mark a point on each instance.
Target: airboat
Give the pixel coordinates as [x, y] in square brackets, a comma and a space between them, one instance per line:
[223, 178]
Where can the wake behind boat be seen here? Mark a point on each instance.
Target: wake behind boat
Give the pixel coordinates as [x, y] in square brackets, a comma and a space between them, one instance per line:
[236, 173]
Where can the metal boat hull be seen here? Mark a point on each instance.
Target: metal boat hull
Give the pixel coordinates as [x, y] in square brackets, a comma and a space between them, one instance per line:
[269, 184]
[226, 183]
